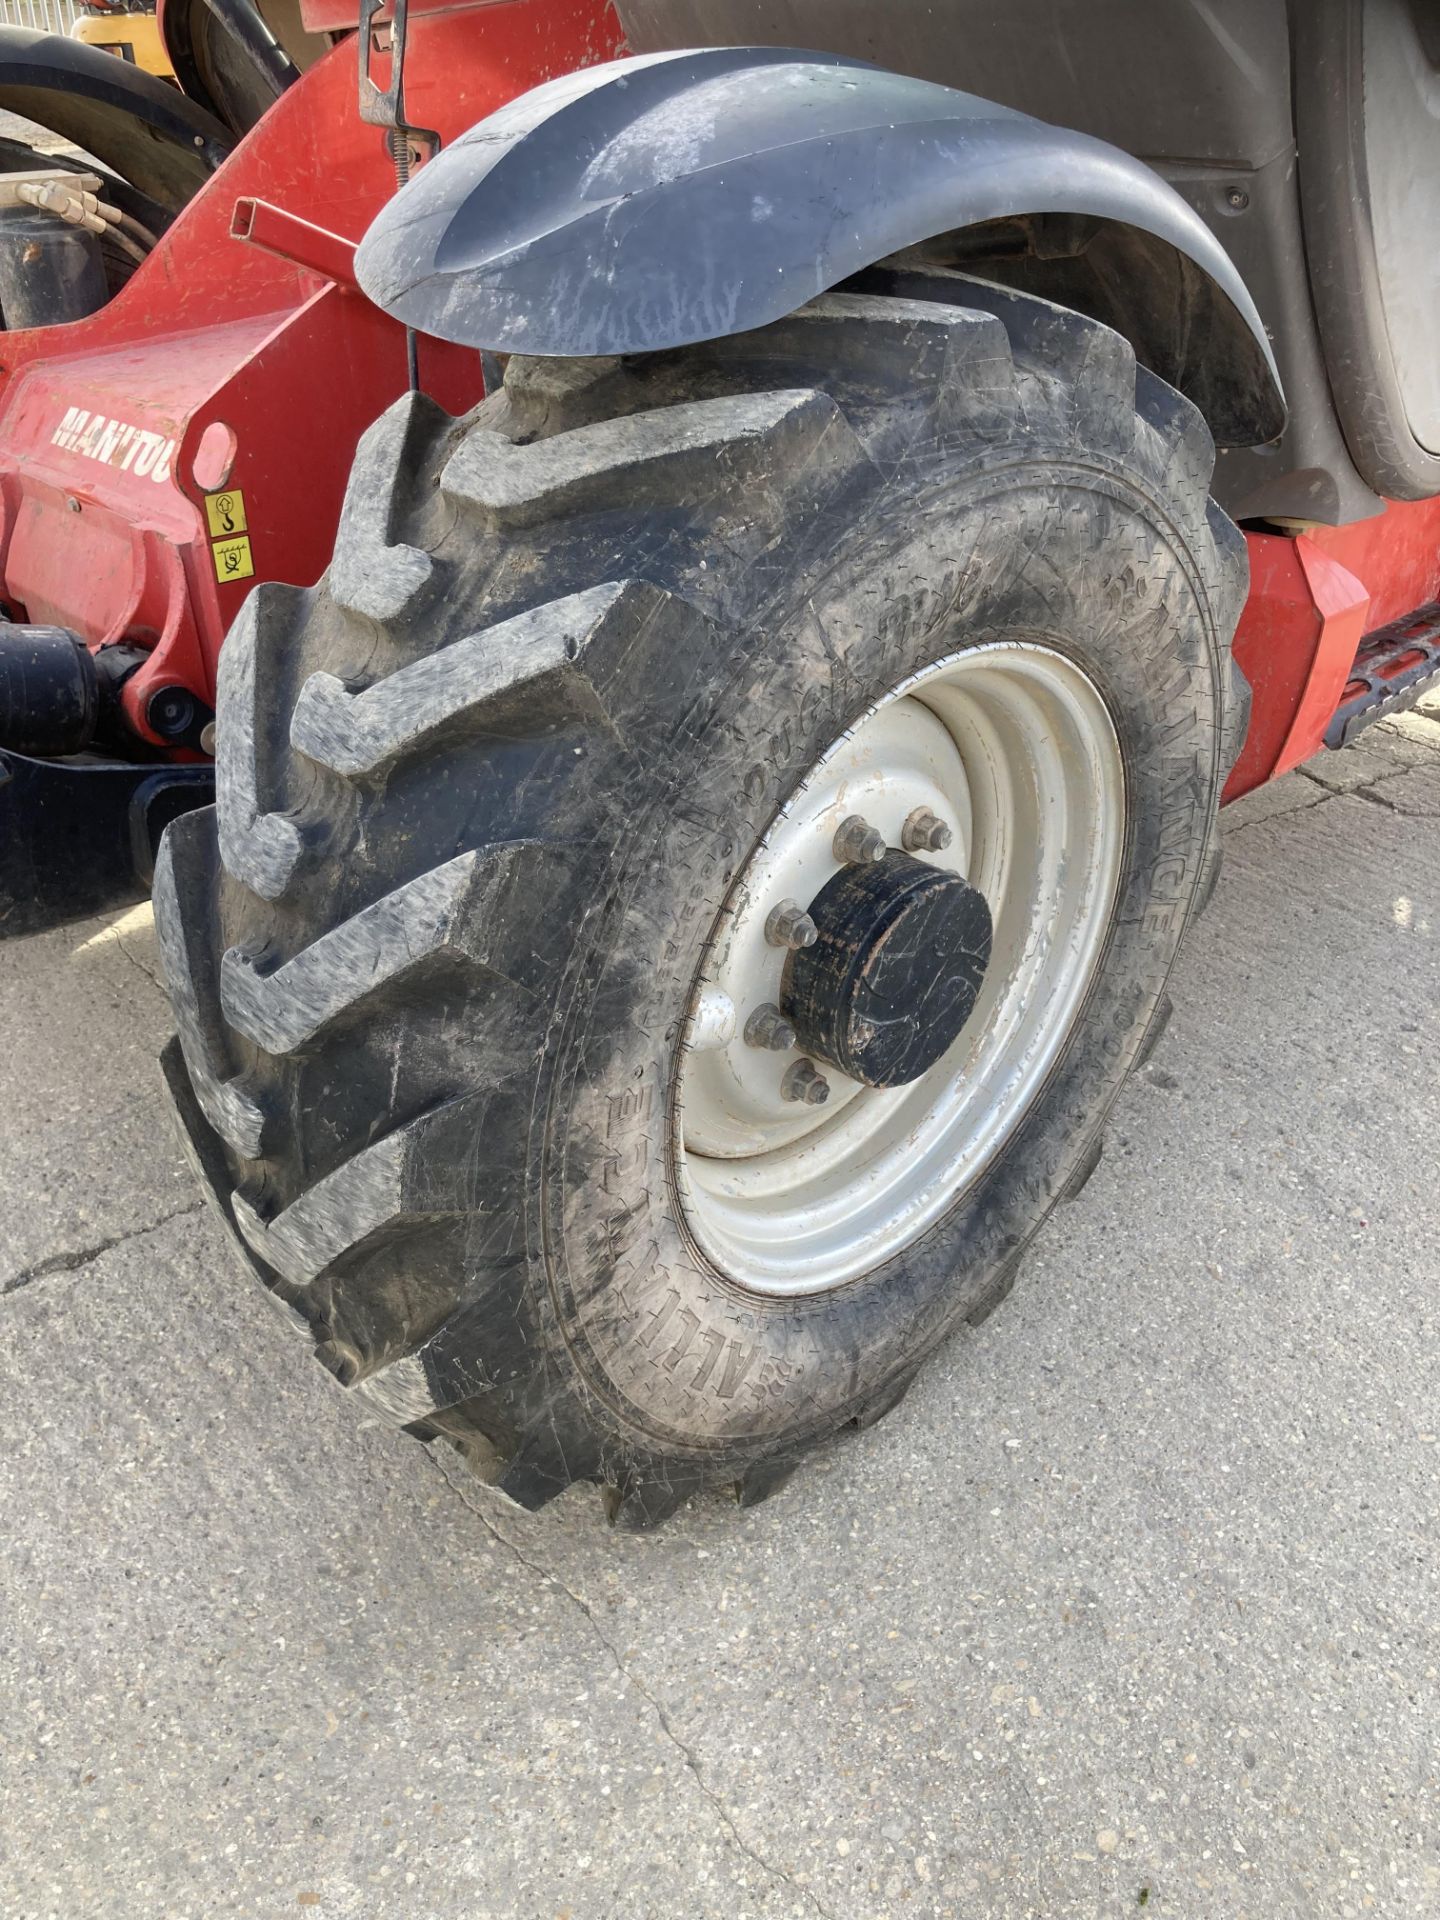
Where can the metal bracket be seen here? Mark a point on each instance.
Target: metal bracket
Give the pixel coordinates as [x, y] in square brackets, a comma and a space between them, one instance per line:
[383, 106]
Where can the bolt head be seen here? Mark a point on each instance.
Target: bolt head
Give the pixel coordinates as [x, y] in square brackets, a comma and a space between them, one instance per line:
[789, 925]
[857, 843]
[170, 711]
[925, 832]
[803, 1083]
[207, 738]
[767, 1027]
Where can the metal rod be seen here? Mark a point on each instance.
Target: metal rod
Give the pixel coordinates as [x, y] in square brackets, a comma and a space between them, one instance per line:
[275, 231]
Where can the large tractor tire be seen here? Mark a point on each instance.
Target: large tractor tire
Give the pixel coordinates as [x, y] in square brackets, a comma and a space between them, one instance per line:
[900, 628]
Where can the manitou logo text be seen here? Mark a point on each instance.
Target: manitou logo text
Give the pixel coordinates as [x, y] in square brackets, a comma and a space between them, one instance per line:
[115, 443]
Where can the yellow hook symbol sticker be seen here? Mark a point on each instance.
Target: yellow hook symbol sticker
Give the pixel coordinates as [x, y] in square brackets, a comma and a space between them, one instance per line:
[225, 513]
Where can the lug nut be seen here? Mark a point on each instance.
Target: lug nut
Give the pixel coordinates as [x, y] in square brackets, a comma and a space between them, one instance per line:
[857, 843]
[805, 1083]
[925, 832]
[789, 925]
[767, 1027]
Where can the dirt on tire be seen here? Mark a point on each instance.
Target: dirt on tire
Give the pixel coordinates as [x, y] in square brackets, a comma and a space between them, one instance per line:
[483, 791]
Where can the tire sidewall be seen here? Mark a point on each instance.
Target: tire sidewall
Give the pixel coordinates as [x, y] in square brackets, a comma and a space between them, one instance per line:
[1068, 557]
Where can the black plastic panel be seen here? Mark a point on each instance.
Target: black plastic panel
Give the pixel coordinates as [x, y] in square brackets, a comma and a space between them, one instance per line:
[1200, 89]
[141, 127]
[79, 836]
[1189, 78]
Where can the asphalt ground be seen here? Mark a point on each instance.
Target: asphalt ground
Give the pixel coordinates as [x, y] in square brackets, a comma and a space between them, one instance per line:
[1131, 1607]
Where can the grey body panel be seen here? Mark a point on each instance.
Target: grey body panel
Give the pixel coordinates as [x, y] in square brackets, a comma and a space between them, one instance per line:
[1333, 231]
[1368, 118]
[660, 201]
[1091, 64]
[1402, 161]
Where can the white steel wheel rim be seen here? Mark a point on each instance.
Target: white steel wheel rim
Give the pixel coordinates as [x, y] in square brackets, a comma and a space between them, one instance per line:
[1012, 747]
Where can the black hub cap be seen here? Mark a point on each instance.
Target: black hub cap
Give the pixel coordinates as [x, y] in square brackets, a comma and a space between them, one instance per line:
[895, 972]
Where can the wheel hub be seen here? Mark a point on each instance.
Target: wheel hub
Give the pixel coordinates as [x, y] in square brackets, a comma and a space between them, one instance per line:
[894, 973]
[850, 1066]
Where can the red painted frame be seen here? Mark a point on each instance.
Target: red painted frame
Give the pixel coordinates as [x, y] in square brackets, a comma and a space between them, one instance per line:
[1312, 598]
[104, 530]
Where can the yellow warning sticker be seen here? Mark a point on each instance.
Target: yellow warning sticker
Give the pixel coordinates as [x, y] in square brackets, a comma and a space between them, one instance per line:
[233, 559]
[226, 514]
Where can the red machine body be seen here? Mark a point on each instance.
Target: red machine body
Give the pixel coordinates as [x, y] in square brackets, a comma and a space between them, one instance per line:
[195, 435]
[1315, 597]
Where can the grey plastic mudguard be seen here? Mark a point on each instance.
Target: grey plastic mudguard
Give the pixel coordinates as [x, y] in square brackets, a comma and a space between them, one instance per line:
[678, 197]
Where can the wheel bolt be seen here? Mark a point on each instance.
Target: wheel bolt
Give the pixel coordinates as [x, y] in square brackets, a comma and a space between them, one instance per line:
[805, 1083]
[789, 925]
[767, 1027]
[925, 832]
[857, 843]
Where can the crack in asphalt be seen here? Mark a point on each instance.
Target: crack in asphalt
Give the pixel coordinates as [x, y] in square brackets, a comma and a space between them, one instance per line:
[82, 1256]
[1324, 792]
[687, 1755]
[1233, 830]
[1376, 799]
[140, 966]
